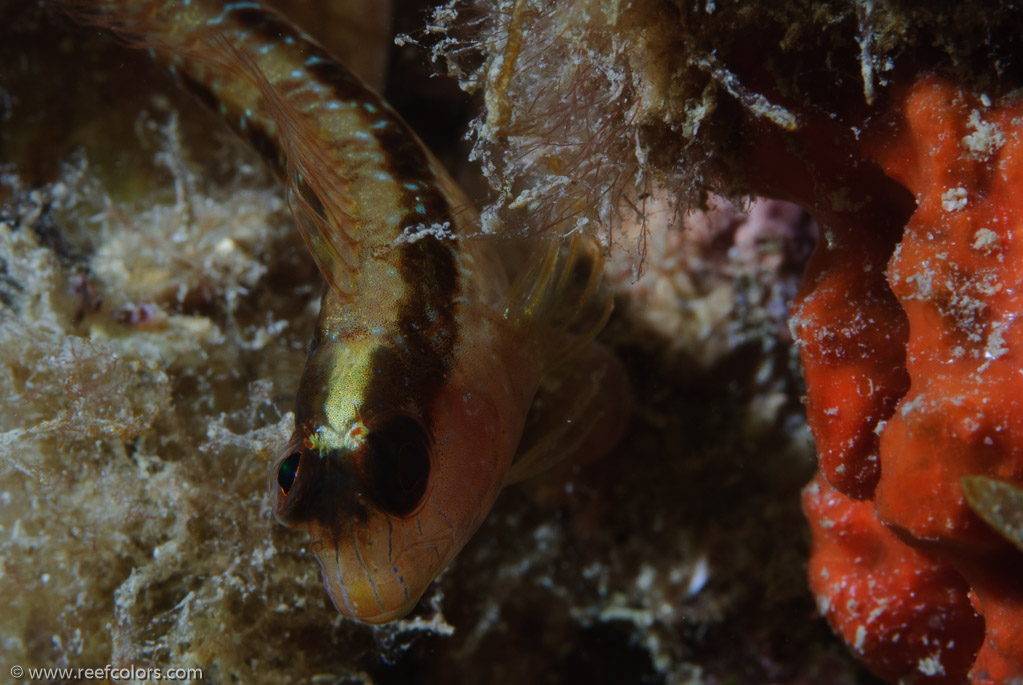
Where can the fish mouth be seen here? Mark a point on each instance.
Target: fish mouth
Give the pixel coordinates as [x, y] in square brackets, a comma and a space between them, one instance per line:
[377, 619]
[355, 600]
[357, 586]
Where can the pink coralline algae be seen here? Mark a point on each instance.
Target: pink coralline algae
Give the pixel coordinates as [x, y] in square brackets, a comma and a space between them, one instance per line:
[915, 387]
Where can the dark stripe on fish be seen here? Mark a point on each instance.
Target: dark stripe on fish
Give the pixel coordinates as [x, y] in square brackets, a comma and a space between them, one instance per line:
[406, 159]
[264, 24]
[265, 145]
[327, 71]
[199, 90]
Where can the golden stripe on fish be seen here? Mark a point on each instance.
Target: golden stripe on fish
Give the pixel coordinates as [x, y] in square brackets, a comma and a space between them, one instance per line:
[431, 342]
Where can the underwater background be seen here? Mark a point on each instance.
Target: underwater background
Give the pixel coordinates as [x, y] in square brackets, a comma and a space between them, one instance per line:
[156, 304]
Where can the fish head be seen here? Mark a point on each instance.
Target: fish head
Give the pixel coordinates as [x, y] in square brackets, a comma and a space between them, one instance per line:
[393, 466]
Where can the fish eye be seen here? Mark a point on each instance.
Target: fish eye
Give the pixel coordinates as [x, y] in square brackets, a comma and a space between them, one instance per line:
[288, 472]
[398, 467]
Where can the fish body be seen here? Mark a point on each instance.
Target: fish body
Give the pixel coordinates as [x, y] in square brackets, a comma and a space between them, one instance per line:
[430, 344]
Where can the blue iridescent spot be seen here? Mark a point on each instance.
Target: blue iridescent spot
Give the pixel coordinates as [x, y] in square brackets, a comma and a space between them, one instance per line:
[234, 6]
[383, 123]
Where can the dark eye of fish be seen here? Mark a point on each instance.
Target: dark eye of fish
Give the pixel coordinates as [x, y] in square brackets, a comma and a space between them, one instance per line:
[399, 466]
[288, 471]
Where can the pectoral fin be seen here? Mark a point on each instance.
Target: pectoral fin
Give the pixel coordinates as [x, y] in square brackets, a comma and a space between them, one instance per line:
[580, 409]
[561, 298]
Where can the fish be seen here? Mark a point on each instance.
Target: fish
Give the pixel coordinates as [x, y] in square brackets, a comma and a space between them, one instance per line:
[446, 362]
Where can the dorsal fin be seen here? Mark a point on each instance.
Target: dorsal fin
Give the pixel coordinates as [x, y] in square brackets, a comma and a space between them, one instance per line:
[315, 187]
[216, 59]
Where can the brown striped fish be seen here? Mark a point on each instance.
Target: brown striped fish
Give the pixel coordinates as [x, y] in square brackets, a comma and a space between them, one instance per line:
[432, 342]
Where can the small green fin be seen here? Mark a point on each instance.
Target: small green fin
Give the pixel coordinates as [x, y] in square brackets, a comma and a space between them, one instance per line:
[581, 407]
[561, 296]
[999, 503]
